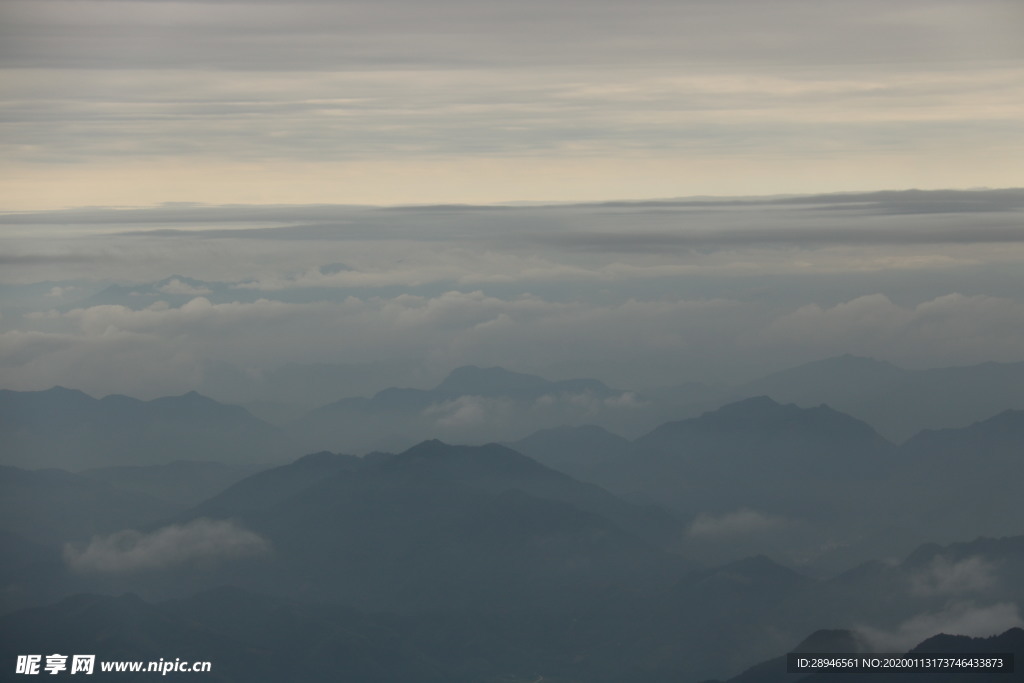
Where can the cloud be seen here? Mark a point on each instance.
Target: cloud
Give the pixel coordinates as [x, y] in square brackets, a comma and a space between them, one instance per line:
[176, 286]
[949, 329]
[742, 522]
[201, 541]
[944, 577]
[468, 412]
[961, 618]
[472, 418]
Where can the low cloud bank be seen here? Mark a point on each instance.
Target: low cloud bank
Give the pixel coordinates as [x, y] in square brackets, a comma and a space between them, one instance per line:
[959, 619]
[203, 541]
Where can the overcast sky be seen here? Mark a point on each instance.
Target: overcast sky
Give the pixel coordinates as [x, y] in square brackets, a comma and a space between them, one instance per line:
[276, 153]
[110, 102]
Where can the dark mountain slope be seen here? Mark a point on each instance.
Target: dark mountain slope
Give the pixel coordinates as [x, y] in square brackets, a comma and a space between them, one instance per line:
[442, 525]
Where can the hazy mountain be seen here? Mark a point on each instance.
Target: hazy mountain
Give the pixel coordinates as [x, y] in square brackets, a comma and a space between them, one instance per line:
[960, 584]
[441, 525]
[962, 482]
[127, 628]
[577, 451]
[753, 477]
[252, 637]
[755, 453]
[839, 381]
[275, 485]
[50, 507]
[68, 429]
[183, 482]
[30, 574]
[471, 405]
[897, 402]
[474, 381]
[497, 469]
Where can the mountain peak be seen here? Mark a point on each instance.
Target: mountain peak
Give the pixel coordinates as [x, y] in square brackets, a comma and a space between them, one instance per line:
[488, 460]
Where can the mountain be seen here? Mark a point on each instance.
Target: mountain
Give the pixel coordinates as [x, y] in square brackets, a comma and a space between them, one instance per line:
[577, 451]
[897, 402]
[1009, 642]
[758, 477]
[127, 628]
[31, 573]
[41, 511]
[471, 380]
[471, 405]
[1000, 437]
[50, 507]
[839, 381]
[443, 525]
[962, 482]
[823, 641]
[497, 469]
[68, 429]
[182, 482]
[755, 453]
[848, 642]
[275, 485]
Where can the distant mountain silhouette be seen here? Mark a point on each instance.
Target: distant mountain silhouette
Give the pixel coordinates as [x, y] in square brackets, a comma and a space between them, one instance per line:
[275, 485]
[945, 473]
[577, 451]
[848, 378]
[755, 453]
[897, 402]
[471, 404]
[475, 381]
[52, 506]
[183, 482]
[68, 429]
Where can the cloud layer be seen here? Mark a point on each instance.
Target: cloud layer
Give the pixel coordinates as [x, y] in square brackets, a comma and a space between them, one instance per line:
[201, 542]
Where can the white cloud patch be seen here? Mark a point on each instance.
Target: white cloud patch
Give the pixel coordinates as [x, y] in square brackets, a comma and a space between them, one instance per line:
[201, 541]
[176, 286]
[959, 619]
[467, 412]
[742, 522]
[59, 292]
[944, 577]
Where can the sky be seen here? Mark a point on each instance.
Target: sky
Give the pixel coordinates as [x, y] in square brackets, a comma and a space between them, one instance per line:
[139, 102]
[199, 194]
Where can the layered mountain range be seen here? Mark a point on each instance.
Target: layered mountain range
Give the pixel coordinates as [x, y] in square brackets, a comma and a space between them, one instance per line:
[691, 551]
